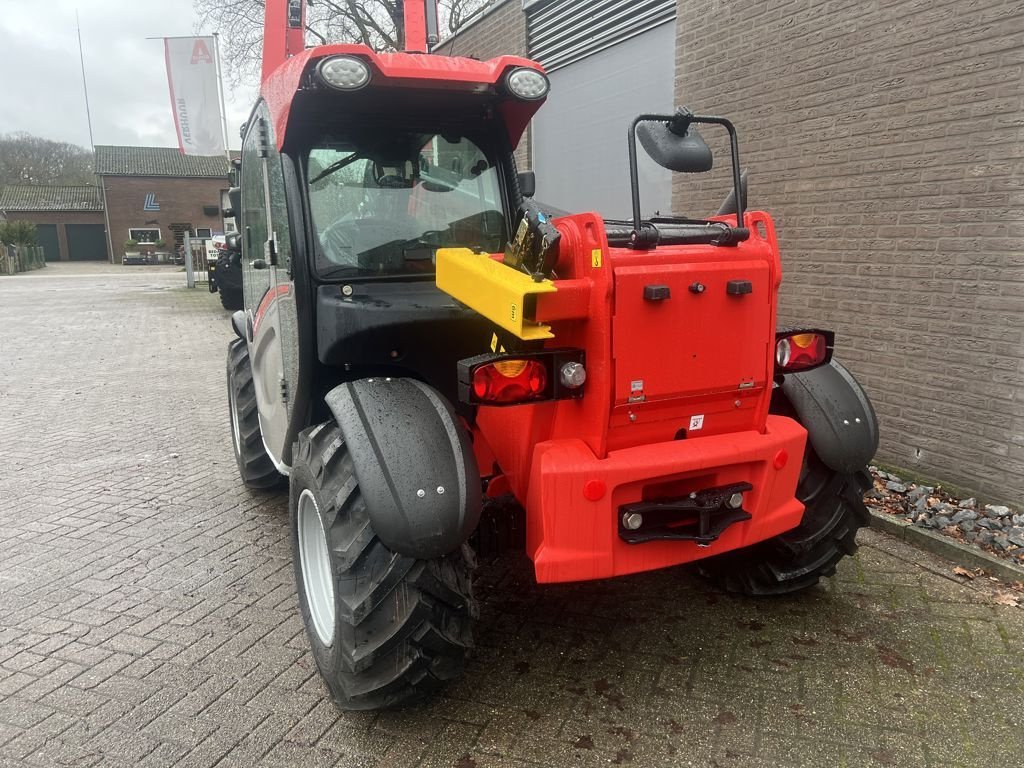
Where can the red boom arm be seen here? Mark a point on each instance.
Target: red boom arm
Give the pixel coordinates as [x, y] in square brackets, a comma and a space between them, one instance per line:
[284, 26]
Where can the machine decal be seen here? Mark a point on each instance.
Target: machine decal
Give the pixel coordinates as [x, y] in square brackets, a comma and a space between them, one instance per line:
[268, 300]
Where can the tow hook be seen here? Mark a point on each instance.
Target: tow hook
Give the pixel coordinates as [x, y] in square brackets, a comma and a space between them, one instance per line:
[701, 516]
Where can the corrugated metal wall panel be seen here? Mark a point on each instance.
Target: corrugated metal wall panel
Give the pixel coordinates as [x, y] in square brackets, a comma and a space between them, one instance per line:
[579, 137]
[561, 32]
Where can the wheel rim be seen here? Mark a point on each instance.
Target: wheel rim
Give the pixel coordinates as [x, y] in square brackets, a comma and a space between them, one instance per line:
[236, 429]
[315, 561]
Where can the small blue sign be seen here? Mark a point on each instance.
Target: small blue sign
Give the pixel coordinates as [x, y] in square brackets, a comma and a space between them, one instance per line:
[151, 204]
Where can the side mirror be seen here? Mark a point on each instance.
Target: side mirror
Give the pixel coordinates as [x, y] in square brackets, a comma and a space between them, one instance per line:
[676, 144]
[235, 198]
[729, 205]
[528, 183]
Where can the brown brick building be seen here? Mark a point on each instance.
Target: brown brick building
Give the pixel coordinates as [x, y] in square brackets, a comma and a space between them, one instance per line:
[156, 194]
[69, 220]
[887, 139]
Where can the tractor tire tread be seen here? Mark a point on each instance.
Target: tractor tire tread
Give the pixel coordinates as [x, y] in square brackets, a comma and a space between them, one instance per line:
[796, 560]
[404, 625]
[254, 464]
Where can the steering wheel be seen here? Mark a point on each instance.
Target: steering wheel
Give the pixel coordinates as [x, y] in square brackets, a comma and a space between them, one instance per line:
[338, 243]
[393, 181]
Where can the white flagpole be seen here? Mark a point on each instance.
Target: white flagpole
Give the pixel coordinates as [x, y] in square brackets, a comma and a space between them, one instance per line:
[85, 85]
[220, 90]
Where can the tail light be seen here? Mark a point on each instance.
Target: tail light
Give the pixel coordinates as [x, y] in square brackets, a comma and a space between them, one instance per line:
[509, 378]
[510, 381]
[801, 350]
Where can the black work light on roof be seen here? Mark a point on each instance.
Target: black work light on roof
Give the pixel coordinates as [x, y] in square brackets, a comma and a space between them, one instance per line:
[346, 73]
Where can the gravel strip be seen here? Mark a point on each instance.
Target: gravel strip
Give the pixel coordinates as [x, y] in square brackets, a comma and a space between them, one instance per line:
[994, 528]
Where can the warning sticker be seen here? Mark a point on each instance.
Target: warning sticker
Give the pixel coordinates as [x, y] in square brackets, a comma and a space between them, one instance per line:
[696, 422]
[595, 258]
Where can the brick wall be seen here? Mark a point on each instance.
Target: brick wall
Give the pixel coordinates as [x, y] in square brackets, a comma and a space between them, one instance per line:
[499, 31]
[59, 218]
[181, 202]
[887, 140]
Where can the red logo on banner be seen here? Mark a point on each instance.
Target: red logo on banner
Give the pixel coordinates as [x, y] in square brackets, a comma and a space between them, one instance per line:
[200, 53]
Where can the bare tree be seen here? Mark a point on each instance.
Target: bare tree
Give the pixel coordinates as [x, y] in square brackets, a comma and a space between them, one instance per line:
[377, 23]
[28, 159]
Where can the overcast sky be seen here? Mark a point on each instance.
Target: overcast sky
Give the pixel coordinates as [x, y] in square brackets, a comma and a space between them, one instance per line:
[41, 81]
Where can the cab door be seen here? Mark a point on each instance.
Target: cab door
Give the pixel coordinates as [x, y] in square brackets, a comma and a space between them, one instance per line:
[265, 235]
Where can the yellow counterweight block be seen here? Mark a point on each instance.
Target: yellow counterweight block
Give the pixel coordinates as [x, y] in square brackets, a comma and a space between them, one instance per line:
[496, 291]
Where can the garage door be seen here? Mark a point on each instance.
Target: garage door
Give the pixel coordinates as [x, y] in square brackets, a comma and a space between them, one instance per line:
[614, 61]
[46, 235]
[86, 242]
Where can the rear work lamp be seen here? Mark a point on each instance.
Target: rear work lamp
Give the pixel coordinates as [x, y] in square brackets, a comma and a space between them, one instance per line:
[527, 84]
[345, 73]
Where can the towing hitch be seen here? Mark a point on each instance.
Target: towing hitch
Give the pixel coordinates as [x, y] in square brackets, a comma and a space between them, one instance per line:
[701, 516]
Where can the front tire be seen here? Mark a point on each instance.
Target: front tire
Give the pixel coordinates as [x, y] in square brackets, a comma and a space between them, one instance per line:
[385, 629]
[797, 559]
[254, 464]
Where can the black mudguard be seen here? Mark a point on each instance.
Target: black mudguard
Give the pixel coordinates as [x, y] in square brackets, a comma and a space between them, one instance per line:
[413, 461]
[837, 415]
[238, 324]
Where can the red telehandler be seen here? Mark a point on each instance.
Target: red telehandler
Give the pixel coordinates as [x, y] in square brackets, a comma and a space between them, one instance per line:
[420, 337]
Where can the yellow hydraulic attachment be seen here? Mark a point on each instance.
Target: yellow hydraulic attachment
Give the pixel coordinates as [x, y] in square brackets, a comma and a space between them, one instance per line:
[496, 291]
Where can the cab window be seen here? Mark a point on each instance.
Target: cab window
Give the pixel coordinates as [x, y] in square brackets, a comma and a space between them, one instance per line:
[383, 206]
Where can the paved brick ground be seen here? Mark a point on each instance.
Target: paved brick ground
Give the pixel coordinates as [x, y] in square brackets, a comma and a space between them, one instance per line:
[148, 617]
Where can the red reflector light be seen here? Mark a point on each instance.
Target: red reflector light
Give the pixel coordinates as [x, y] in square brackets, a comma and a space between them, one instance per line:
[799, 351]
[510, 381]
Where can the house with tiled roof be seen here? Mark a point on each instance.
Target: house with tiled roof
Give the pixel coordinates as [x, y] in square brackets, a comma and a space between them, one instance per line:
[157, 195]
[69, 219]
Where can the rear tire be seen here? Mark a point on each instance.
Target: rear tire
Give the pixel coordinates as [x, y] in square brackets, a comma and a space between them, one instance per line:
[254, 464]
[385, 629]
[229, 281]
[230, 299]
[797, 559]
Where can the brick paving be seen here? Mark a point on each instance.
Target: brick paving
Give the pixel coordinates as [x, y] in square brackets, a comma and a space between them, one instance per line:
[148, 614]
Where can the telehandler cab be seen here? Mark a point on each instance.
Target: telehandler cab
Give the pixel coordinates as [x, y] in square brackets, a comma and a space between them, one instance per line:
[419, 337]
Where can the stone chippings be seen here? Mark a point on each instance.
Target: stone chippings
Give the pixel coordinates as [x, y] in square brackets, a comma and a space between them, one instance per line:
[148, 614]
[994, 528]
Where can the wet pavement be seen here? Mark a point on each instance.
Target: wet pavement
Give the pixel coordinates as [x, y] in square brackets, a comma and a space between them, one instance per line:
[148, 614]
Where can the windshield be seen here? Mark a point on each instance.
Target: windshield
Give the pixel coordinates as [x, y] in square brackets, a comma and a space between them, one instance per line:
[384, 206]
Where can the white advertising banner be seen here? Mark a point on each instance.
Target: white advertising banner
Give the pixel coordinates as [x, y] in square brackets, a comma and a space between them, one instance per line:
[192, 77]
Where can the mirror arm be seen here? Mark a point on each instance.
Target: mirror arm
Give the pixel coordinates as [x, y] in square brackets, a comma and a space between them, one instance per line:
[642, 238]
[639, 239]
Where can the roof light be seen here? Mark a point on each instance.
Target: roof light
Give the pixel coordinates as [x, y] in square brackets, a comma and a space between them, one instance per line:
[528, 84]
[346, 73]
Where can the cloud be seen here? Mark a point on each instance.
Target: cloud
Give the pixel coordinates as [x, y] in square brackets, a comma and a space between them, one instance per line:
[41, 78]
